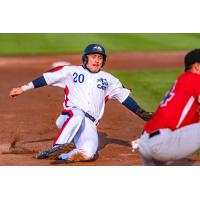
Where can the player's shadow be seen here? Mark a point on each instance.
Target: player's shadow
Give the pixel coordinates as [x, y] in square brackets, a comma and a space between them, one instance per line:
[105, 140]
[182, 162]
[36, 141]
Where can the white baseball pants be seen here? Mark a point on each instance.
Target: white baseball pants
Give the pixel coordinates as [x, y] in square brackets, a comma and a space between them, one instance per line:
[74, 126]
[169, 145]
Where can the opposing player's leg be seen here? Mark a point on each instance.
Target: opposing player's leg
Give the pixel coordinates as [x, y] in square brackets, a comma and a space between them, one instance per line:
[86, 142]
[171, 145]
[145, 153]
[183, 142]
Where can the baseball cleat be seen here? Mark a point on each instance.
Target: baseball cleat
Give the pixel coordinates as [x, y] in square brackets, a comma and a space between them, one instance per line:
[53, 153]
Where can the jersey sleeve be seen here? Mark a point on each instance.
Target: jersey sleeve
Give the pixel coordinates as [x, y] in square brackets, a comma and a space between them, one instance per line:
[116, 90]
[57, 76]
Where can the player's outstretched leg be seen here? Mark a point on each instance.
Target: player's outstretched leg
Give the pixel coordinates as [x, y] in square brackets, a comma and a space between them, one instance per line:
[86, 142]
[76, 155]
[72, 126]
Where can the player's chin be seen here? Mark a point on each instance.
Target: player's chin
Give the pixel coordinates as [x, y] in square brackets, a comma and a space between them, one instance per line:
[96, 68]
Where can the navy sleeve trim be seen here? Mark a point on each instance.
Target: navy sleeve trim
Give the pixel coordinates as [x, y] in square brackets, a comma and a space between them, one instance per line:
[39, 82]
[131, 104]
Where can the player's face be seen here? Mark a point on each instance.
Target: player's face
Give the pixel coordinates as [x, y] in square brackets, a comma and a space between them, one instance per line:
[95, 62]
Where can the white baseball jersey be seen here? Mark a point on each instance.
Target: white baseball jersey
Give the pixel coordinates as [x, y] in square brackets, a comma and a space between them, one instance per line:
[86, 90]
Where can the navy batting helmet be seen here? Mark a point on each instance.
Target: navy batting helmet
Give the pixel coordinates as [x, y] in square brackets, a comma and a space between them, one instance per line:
[92, 49]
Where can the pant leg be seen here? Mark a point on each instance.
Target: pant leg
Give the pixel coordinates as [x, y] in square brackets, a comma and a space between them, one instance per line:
[146, 154]
[171, 145]
[72, 123]
[86, 142]
[183, 142]
[61, 120]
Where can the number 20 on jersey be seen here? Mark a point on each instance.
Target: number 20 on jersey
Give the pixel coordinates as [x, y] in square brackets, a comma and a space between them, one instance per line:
[78, 77]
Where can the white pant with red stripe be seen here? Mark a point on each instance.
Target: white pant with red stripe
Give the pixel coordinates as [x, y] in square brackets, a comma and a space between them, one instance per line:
[74, 126]
[170, 145]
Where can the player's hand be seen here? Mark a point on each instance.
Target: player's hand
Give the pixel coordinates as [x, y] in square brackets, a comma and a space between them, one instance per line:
[144, 114]
[15, 92]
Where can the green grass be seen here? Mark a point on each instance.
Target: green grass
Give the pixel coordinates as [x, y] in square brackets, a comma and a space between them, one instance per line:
[50, 43]
[149, 86]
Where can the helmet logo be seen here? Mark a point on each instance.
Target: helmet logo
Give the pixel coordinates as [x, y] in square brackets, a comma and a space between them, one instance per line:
[97, 48]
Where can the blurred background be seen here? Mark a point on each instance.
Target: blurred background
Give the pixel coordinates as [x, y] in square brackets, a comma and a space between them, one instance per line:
[51, 43]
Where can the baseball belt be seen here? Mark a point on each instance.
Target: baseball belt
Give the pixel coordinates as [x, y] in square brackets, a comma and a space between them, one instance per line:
[152, 134]
[90, 117]
[157, 132]
[86, 114]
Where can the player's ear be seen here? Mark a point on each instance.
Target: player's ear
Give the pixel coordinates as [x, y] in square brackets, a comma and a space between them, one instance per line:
[195, 66]
[198, 67]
